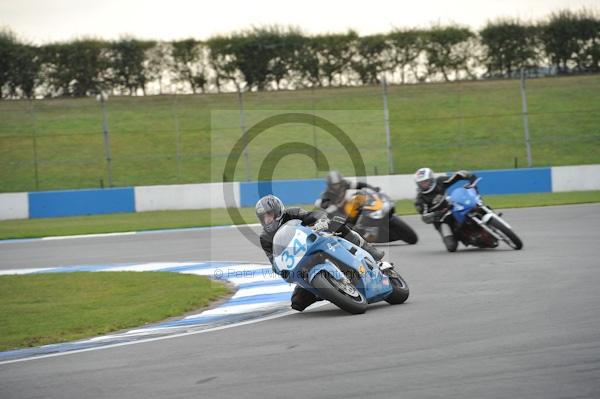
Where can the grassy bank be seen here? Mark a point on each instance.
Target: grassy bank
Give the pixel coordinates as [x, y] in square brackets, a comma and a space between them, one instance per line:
[58, 143]
[49, 308]
[28, 228]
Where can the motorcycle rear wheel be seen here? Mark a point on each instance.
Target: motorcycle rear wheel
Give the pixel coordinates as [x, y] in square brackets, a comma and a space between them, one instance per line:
[506, 233]
[343, 295]
[399, 230]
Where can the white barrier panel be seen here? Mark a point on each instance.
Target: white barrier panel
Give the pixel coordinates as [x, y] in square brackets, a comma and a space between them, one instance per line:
[396, 186]
[575, 178]
[185, 196]
[14, 206]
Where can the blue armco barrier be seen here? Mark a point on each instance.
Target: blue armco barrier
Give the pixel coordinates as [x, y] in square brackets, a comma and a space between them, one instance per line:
[290, 191]
[81, 202]
[507, 181]
[115, 200]
[512, 181]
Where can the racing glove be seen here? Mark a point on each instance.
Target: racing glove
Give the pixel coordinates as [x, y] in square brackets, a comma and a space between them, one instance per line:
[321, 224]
[432, 217]
[428, 217]
[337, 224]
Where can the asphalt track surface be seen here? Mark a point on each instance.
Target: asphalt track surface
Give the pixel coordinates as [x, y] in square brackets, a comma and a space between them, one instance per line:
[479, 324]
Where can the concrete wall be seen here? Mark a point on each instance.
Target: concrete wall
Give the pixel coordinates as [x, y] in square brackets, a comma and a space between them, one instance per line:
[575, 178]
[186, 196]
[220, 195]
[14, 206]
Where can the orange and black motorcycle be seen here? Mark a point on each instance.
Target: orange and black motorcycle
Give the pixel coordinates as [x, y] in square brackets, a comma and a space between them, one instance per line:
[371, 214]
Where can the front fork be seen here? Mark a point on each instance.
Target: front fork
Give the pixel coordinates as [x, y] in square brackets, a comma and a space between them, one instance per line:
[483, 222]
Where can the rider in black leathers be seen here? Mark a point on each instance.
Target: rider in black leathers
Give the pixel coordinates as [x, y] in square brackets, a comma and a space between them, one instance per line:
[430, 201]
[272, 214]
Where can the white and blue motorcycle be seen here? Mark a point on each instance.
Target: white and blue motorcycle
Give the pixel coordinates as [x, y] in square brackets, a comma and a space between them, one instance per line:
[334, 269]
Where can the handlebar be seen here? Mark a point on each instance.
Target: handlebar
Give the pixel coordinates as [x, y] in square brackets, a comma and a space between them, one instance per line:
[472, 185]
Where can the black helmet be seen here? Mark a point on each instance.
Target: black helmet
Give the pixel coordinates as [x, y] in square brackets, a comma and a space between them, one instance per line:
[269, 210]
[336, 186]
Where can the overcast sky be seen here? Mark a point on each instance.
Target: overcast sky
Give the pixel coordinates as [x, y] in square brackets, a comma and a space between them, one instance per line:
[43, 21]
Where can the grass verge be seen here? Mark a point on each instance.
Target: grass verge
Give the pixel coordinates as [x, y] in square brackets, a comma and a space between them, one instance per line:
[57, 143]
[31, 228]
[50, 308]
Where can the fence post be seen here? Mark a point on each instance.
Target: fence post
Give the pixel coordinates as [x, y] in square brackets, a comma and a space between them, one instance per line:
[177, 137]
[314, 130]
[106, 139]
[386, 118]
[35, 156]
[525, 119]
[244, 133]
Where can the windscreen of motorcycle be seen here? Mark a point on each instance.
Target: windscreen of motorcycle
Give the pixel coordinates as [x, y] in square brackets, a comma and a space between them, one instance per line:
[289, 245]
[463, 199]
[284, 235]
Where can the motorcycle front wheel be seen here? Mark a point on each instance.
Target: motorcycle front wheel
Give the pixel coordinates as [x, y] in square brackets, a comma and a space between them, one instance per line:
[343, 295]
[508, 236]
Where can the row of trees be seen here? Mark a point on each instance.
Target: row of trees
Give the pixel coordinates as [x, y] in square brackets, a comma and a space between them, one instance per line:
[274, 58]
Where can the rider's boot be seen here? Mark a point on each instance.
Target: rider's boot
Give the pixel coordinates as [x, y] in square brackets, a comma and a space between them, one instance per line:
[383, 265]
[301, 299]
[448, 238]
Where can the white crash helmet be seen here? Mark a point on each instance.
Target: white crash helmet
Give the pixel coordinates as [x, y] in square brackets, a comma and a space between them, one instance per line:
[425, 180]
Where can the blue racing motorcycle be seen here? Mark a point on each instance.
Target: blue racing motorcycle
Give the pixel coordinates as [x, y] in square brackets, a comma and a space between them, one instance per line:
[475, 223]
[334, 269]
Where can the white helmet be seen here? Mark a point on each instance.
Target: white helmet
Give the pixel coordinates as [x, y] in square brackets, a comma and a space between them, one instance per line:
[425, 180]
